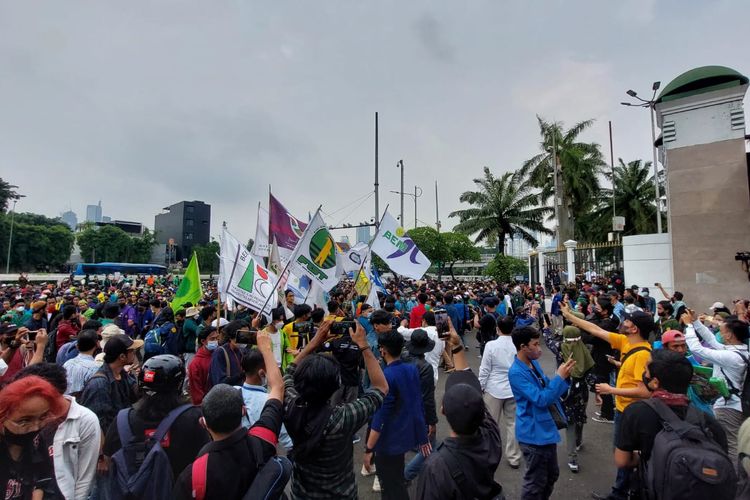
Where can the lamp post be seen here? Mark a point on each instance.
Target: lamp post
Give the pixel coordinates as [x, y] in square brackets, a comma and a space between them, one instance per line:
[416, 194]
[10, 237]
[651, 104]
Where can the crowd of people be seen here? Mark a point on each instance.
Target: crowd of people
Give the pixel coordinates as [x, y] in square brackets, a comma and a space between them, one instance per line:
[109, 391]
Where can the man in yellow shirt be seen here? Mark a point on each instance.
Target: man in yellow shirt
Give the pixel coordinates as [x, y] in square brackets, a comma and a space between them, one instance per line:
[298, 340]
[635, 353]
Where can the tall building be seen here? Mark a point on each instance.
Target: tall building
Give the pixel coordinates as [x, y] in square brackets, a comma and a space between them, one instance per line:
[70, 218]
[182, 226]
[363, 234]
[94, 212]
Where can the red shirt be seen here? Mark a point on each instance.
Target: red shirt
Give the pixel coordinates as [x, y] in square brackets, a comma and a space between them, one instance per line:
[198, 383]
[65, 330]
[415, 318]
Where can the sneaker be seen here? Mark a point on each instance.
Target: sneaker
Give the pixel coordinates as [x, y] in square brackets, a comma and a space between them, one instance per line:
[376, 485]
[598, 413]
[579, 447]
[356, 439]
[364, 471]
[573, 466]
[602, 420]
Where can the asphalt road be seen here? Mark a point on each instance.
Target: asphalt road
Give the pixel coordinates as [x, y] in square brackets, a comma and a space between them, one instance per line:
[597, 471]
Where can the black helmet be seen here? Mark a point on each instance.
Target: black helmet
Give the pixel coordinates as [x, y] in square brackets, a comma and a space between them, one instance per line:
[163, 373]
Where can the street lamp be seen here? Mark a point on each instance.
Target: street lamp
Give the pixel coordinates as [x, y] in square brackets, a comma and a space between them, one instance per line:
[10, 237]
[651, 104]
[417, 193]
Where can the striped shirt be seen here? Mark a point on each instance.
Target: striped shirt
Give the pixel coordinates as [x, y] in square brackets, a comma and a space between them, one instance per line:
[79, 370]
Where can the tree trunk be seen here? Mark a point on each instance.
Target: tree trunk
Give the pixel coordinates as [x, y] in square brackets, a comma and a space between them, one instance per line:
[453, 277]
[501, 243]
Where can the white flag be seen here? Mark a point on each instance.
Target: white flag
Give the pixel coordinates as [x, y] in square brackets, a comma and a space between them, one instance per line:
[251, 284]
[398, 250]
[315, 255]
[261, 248]
[351, 261]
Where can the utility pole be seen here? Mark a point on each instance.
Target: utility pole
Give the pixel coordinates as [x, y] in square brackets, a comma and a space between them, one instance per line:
[612, 165]
[377, 196]
[557, 188]
[656, 168]
[415, 202]
[437, 211]
[400, 165]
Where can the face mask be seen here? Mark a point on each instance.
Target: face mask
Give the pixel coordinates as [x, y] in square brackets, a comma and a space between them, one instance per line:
[20, 309]
[279, 325]
[644, 294]
[19, 439]
[366, 315]
[211, 345]
[646, 381]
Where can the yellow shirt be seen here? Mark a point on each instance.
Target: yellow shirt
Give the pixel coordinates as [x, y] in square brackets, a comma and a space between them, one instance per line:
[289, 332]
[631, 371]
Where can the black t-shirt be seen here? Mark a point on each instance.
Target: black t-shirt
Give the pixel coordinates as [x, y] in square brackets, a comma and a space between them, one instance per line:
[349, 356]
[182, 442]
[232, 464]
[640, 425]
[33, 471]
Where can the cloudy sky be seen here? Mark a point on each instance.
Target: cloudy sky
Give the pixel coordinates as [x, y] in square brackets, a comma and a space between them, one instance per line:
[143, 104]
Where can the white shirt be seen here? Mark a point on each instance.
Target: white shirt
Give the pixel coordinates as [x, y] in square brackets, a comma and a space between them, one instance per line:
[276, 345]
[432, 357]
[75, 451]
[498, 357]
[723, 358]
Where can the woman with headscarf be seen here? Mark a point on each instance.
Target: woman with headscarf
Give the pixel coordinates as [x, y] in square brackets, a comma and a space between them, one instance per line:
[574, 403]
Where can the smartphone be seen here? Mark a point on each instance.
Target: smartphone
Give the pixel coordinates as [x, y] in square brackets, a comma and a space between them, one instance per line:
[32, 335]
[441, 322]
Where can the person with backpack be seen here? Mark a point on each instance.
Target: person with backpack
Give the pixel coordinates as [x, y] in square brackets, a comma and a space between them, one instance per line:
[635, 352]
[463, 466]
[152, 442]
[731, 360]
[680, 451]
[226, 361]
[239, 461]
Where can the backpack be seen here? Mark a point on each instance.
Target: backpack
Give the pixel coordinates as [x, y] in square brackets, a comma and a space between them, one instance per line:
[686, 463]
[155, 341]
[141, 469]
[50, 350]
[174, 343]
[743, 392]
[269, 482]
[468, 489]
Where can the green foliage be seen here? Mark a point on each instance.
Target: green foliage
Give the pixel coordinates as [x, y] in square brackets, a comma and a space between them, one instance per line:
[208, 260]
[431, 243]
[112, 244]
[39, 243]
[460, 248]
[7, 194]
[502, 207]
[380, 264]
[504, 268]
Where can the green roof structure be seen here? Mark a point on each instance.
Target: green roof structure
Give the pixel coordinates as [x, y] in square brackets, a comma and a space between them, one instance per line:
[701, 80]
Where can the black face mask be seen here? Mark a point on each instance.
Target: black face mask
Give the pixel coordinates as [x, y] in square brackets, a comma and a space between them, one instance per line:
[19, 439]
[646, 381]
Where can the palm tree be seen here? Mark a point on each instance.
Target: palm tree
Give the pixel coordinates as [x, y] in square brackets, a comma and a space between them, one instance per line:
[502, 207]
[633, 199]
[7, 194]
[579, 165]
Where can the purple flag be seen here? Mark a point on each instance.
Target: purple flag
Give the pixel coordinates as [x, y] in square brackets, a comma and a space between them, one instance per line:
[283, 226]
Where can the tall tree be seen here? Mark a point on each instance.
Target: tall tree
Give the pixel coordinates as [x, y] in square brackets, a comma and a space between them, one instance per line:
[7, 194]
[579, 165]
[432, 244]
[502, 207]
[461, 249]
[208, 256]
[633, 188]
[39, 243]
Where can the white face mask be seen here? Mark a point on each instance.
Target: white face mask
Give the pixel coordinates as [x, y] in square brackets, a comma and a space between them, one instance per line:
[20, 308]
[279, 325]
[211, 345]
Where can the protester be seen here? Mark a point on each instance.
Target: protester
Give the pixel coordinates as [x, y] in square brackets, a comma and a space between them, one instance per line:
[81, 368]
[416, 313]
[68, 327]
[73, 439]
[538, 401]
[279, 340]
[322, 435]
[26, 406]
[428, 326]
[198, 371]
[498, 357]
[226, 359]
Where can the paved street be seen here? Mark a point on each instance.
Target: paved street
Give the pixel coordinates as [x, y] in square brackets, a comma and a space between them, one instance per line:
[595, 459]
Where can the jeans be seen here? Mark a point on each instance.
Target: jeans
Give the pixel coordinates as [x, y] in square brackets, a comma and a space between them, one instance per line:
[504, 413]
[414, 467]
[390, 471]
[100, 487]
[622, 482]
[573, 439]
[541, 471]
[608, 400]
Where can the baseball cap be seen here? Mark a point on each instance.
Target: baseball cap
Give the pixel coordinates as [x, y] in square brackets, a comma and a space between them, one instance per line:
[642, 320]
[671, 336]
[120, 344]
[717, 305]
[463, 405]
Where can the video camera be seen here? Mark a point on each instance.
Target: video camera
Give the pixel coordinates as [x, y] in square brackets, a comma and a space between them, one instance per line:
[342, 327]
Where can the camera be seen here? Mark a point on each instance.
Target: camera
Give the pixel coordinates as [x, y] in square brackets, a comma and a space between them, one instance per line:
[304, 327]
[247, 337]
[441, 322]
[342, 327]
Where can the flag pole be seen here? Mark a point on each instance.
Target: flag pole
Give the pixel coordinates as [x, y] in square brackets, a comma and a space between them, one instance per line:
[218, 291]
[293, 257]
[369, 250]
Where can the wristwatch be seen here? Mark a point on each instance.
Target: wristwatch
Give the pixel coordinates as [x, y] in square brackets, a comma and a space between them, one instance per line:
[368, 450]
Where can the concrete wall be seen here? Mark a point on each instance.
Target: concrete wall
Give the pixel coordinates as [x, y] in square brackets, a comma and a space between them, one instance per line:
[647, 259]
[709, 220]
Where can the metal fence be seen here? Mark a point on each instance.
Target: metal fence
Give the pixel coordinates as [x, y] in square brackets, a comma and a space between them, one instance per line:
[592, 261]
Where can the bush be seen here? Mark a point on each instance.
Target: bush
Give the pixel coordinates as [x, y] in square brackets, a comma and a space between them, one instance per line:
[504, 268]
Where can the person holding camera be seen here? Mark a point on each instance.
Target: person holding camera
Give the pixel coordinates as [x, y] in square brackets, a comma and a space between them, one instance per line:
[226, 361]
[19, 347]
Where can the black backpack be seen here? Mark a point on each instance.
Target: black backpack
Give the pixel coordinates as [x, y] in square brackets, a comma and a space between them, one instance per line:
[50, 350]
[468, 489]
[686, 463]
[741, 392]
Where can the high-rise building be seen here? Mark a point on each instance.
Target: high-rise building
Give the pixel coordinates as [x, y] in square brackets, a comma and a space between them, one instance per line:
[70, 218]
[94, 212]
[182, 226]
[363, 234]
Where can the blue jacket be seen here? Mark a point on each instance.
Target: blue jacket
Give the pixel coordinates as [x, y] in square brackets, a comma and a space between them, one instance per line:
[400, 420]
[370, 333]
[534, 424]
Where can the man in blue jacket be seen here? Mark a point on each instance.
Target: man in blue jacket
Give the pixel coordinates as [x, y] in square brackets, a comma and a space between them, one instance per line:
[536, 430]
[399, 425]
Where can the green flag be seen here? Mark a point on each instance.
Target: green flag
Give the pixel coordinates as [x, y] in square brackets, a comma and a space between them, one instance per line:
[190, 287]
